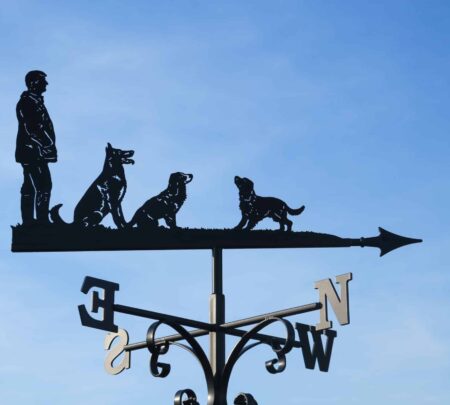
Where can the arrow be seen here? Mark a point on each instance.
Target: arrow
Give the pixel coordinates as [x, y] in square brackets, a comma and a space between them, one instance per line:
[387, 241]
[66, 239]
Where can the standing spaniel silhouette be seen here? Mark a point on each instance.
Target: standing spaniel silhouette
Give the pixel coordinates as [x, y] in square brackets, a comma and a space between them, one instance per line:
[255, 208]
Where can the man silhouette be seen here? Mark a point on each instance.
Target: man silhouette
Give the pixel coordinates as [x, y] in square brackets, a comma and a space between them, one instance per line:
[35, 148]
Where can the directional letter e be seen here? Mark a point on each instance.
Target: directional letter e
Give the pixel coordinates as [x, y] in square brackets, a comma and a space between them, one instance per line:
[327, 292]
[107, 303]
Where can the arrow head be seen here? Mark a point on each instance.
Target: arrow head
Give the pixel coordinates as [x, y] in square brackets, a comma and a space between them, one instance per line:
[389, 241]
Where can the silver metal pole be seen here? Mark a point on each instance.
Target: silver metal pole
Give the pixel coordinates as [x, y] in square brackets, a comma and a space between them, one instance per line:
[217, 317]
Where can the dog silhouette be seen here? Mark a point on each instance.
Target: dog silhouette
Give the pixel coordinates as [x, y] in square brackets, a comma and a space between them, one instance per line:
[255, 208]
[165, 205]
[104, 195]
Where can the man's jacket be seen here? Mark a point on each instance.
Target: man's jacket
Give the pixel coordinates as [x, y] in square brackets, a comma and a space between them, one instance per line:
[36, 136]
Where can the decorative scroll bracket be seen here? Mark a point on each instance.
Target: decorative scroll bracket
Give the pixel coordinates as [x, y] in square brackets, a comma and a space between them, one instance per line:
[217, 383]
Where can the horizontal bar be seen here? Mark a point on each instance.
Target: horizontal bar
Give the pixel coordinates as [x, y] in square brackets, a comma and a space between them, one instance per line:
[261, 337]
[229, 328]
[196, 333]
[73, 239]
[166, 339]
[277, 314]
[162, 317]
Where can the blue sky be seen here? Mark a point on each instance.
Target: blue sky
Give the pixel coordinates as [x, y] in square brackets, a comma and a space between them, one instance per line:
[341, 106]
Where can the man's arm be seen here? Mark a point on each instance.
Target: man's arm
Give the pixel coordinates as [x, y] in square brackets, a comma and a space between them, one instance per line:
[33, 124]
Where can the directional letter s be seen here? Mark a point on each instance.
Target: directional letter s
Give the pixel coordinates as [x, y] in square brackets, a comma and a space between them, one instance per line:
[122, 334]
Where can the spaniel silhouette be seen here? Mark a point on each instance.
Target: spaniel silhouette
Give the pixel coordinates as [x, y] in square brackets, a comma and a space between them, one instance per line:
[255, 208]
[165, 205]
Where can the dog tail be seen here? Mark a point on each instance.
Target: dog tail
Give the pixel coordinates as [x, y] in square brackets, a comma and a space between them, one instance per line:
[55, 217]
[297, 211]
[132, 223]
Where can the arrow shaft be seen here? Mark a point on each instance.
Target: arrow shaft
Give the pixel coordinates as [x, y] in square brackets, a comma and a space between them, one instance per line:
[56, 239]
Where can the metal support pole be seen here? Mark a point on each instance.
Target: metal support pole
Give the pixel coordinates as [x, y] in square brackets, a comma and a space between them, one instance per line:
[217, 317]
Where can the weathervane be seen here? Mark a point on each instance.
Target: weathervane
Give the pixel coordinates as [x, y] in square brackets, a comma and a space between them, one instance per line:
[43, 230]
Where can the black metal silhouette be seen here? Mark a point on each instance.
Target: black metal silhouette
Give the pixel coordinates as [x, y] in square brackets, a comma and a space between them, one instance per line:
[318, 354]
[143, 232]
[216, 369]
[255, 208]
[70, 239]
[163, 369]
[245, 399]
[104, 195]
[35, 149]
[106, 303]
[191, 397]
[165, 205]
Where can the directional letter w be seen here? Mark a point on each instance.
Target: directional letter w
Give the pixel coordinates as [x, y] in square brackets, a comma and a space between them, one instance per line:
[317, 353]
[327, 292]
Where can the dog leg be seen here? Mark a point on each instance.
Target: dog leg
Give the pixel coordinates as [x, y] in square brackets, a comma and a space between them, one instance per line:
[289, 225]
[171, 222]
[148, 223]
[121, 216]
[241, 224]
[92, 219]
[118, 217]
[277, 217]
[283, 219]
[251, 224]
[143, 221]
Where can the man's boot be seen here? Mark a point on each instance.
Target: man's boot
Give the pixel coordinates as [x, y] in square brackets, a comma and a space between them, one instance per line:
[42, 204]
[27, 209]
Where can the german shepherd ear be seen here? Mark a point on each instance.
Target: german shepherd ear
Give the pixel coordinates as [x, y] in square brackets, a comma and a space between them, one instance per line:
[109, 146]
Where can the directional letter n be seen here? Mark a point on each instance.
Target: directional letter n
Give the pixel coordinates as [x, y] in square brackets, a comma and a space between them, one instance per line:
[327, 293]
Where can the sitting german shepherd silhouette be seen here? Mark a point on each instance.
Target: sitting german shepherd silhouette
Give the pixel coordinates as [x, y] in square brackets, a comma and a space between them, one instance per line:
[104, 195]
[255, 208]
[165, 205]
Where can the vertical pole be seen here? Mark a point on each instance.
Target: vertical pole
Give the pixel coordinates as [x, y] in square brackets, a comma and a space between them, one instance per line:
[217, 317]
